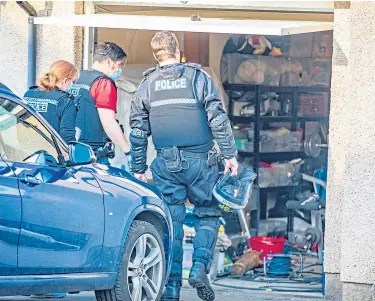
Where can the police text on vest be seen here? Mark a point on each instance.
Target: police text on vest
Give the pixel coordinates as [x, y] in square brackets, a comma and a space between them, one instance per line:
[167, 84]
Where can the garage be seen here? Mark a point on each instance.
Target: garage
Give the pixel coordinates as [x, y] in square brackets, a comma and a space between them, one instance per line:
[272, 69]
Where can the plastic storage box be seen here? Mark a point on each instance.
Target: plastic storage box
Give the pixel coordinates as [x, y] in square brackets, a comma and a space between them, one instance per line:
[301, 45]
[278, 174]
[322, 44]
[296, 72]
[321, 72]
[276, 141]
[267, 245]
[313, 104]
[253, 69]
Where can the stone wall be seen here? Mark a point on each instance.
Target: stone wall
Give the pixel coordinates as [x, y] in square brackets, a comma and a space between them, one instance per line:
[53, 42]
[349, 244]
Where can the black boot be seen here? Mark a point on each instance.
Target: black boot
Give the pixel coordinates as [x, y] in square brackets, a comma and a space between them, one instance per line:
[172, 291]
[199, 280]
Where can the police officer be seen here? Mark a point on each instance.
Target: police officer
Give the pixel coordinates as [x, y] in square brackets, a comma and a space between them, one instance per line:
[98, 99]
[178, 105]
[52, 101]
[58, 107]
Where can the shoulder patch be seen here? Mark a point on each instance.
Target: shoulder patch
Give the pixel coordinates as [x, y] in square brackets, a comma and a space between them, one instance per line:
[194, 65]
[149, 71]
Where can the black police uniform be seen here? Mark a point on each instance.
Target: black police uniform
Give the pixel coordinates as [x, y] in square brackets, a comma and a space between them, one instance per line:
[178, 105]
[57, 107]
[88, 120]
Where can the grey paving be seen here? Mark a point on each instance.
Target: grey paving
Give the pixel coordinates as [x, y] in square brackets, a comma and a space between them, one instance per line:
[188, 294]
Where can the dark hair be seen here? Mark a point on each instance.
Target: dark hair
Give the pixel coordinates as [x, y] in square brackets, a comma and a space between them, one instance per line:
[109, 50]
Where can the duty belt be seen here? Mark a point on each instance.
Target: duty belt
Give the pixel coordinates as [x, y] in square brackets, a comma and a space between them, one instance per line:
[189, 154]
[212, 156]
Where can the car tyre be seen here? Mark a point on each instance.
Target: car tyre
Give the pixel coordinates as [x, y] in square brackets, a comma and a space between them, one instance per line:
[141, 273]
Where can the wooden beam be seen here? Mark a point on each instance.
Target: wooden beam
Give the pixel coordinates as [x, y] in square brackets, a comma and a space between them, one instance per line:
[341, 5]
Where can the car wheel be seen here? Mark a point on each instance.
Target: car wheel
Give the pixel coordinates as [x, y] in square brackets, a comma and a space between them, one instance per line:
[142, 267]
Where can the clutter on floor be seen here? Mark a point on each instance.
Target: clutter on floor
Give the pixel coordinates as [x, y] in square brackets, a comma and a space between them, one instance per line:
[279, 94]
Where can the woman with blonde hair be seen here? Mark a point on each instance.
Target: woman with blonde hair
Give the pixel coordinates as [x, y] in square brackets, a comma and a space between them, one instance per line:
[51, 100]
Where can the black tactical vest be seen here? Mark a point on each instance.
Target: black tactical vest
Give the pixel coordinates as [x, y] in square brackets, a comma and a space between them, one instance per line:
[176, 116]
[47, 104]
[88, 120]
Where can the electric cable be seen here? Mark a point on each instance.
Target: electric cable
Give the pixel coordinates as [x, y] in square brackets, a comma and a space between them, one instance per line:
[280, 266]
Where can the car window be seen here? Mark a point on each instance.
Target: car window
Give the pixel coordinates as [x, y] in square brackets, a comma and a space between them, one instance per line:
[23, 137]
[64, 153]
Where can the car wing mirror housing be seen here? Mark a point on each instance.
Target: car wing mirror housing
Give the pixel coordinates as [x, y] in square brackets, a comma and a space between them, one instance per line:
[80, 154]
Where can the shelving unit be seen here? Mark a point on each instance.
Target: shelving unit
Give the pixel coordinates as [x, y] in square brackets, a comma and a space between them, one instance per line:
[258, 120]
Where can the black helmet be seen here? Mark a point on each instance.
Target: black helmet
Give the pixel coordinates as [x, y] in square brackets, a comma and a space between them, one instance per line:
[233, 192]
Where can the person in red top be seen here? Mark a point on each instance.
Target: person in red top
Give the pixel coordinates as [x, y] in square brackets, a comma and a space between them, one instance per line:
[98, 99]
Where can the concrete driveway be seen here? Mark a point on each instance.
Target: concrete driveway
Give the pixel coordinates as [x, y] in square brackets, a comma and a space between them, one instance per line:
[189, 294]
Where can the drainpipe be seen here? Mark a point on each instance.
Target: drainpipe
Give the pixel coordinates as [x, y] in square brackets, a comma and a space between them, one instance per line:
[89, 37]
[31, 44]
[31, 53]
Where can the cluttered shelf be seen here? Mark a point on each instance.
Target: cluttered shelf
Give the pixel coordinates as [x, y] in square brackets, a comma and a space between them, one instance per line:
[298, 89]
[249, 119]
[274, 155]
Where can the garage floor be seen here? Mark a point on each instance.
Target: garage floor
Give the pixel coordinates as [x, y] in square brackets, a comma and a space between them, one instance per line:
[189, 294]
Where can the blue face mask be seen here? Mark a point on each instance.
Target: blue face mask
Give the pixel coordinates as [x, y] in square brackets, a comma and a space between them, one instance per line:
[115, 75]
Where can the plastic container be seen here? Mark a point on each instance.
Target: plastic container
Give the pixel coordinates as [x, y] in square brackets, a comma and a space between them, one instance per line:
[289, 142]
[322, 44]
[296, 72]
[278, 174]
[313, 104]
[268, 245]
[321, 72]
[244, 145]
[301, 45]
[254, 69]
[278, 140]
[240, 133]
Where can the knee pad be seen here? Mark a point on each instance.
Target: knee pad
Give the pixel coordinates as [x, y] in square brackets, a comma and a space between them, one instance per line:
[208, 212]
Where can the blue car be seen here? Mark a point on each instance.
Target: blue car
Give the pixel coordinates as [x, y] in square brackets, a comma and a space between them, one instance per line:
[68, 224]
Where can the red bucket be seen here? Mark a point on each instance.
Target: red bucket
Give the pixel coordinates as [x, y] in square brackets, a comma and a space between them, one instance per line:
[267, 245]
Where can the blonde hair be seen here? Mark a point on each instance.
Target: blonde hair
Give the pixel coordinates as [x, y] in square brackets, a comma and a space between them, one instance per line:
[57, 71]
[164, 45]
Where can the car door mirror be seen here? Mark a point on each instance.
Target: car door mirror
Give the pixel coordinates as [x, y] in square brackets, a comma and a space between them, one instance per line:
[80, 154]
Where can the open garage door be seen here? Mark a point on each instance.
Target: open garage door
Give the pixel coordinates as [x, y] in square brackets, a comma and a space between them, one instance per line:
[212, 25]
